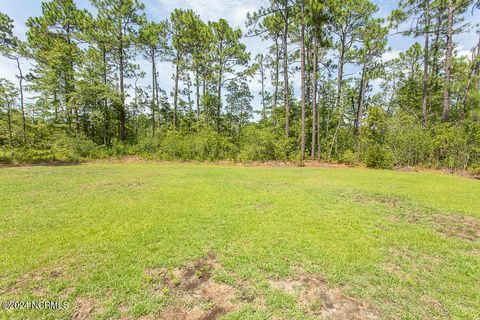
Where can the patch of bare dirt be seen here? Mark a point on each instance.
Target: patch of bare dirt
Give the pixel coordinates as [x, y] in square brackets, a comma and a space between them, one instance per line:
[193, 285]
[324, 302]
[407, 169]
[84, 309]
[365, 198]
[473, 252]
[450, 225]
[37, 282]
[55, 273]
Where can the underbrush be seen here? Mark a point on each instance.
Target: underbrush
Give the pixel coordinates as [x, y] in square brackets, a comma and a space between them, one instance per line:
[381, 144]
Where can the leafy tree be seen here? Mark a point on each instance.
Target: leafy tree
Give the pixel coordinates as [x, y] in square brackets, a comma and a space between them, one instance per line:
[184, 25]
[227, 54]
[153, 44]
[239, 104]
[120, 21]
[349, 17]
[54, 42]
[454, 8]
[373, 38]
[418, 15]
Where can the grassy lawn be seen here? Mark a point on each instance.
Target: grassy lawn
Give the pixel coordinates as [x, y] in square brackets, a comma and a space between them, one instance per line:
[197, 241]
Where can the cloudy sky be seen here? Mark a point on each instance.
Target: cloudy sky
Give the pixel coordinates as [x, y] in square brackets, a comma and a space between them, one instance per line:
[234, 11]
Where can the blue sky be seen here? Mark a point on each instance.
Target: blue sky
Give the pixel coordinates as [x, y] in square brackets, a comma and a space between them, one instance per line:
[234, 11]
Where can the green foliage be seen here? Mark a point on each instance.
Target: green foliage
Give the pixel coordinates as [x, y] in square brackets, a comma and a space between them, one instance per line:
[410, 143]
[379, 156]
[349, 158]
[262, 144]
[203, 145]
[81, 60]
[450, 146]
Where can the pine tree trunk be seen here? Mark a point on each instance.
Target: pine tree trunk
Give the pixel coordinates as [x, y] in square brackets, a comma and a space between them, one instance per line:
[425, 97]
[190, 101]
[277, 78]
[361, 100]
[9, 115]
[55, 106]
[122, 93]
[197, 86]
[262, 75]
[302, 72]
[448, 58]
[106, 138]
[285, 71]
[154, 99]
[22, 103]
[219, 96]
[175, 94]
[204, 92]
[314, 98]
[319, 145]
[341, 62]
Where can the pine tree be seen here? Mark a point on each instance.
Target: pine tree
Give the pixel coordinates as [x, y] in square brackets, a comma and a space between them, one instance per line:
[228, 53]
[153, 43]
[120, 20]
[14, 49]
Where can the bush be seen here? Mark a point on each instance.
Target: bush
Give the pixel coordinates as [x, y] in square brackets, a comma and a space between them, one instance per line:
[349, 158]
[205, 144]
[378, 156]
[262, 144]
[450, 146]
[410, 143]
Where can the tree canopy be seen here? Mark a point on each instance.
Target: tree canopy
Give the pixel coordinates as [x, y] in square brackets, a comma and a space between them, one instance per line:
[87, 100]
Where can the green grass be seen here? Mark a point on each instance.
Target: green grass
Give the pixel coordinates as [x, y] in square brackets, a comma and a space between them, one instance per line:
[393, 239]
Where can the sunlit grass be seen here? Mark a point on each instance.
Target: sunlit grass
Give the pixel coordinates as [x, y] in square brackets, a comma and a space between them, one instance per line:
[91, 231]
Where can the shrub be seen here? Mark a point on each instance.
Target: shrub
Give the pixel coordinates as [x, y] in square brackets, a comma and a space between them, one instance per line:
[262, 144]
[378, 156]
[410, 143]
[450, 146]
[349, 158]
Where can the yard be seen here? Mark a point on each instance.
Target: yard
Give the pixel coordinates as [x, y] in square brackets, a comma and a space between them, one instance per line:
[145, 240]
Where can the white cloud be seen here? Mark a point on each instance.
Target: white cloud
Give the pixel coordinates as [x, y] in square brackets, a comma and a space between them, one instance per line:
[461, 51]
[390, 55]
[234, 11]
[8, 70]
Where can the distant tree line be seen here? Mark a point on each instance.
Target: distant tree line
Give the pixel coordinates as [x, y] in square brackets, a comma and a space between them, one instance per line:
[418, 109]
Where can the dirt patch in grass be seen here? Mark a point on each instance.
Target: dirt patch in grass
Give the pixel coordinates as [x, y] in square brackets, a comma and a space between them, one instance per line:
[84, 310]
[318, 299]
[463, 227]
[473, 252]
[366, 198]
[193, 285]
[32, 282]
[448, 224]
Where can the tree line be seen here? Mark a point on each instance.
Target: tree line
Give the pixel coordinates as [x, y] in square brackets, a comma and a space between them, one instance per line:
[89, 98]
